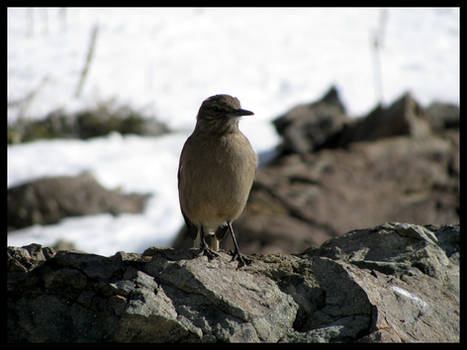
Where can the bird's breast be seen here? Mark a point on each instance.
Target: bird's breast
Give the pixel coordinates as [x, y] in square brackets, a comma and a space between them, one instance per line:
[217, 175]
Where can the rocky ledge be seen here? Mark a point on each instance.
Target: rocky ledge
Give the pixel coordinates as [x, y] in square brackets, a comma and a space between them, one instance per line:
[391, 283]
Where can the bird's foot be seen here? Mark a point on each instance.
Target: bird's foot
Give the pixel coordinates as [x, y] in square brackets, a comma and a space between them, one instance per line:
[211, 254]
[242, 260]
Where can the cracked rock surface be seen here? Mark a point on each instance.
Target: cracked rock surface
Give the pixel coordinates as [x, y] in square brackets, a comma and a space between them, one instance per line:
[391, 283]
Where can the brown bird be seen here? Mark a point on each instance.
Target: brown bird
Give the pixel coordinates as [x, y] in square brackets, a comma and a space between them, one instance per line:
[216, 171]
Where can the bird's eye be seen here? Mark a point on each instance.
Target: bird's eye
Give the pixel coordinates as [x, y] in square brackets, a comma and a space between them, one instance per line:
[216, 109]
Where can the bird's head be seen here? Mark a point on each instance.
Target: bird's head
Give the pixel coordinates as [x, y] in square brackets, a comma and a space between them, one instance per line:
[220, 113]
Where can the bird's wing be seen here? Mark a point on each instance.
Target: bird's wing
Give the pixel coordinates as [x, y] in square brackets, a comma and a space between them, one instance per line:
[191, 228]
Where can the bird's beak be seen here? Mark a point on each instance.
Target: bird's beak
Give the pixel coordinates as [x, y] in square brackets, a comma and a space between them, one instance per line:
[239, 112]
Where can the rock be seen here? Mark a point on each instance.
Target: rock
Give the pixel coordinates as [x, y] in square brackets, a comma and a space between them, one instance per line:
[92, 122]
[324, 124]
[306, 127]
[390, 283]
[47, 200]
[443, 116]
[62, 244]
[405, 265]
[405, 116]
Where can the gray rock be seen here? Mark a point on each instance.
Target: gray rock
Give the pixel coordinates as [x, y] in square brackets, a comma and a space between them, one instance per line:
[443, 116]
[391, 283]
[405, 116]
[47, 200]
[306, 127]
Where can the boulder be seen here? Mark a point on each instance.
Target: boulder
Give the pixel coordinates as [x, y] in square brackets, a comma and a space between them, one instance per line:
[391, 283]
[48, 200]
[306, 127]
[405, 116]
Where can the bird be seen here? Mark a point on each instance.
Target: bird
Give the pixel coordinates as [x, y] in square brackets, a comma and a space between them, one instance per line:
[215, 175]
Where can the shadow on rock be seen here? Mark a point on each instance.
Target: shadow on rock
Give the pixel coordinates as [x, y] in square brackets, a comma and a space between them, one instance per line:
[391, 283]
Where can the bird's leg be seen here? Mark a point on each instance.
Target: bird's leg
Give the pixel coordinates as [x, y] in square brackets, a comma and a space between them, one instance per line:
[205, 250]
[237, 255]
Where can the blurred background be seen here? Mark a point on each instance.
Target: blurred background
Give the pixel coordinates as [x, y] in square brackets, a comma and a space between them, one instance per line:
[102, 100]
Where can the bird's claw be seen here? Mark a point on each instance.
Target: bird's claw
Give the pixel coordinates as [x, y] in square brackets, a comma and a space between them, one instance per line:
[211, 254]
[242, 260]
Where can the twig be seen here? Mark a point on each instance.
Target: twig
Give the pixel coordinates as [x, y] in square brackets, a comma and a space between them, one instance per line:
[377, 45]
[89, 57]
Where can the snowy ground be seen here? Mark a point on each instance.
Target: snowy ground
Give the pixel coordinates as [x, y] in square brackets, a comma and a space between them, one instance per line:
[165, 61]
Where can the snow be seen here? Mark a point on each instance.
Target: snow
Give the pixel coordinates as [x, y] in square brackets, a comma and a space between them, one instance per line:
[166, 61]
[135, 164]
